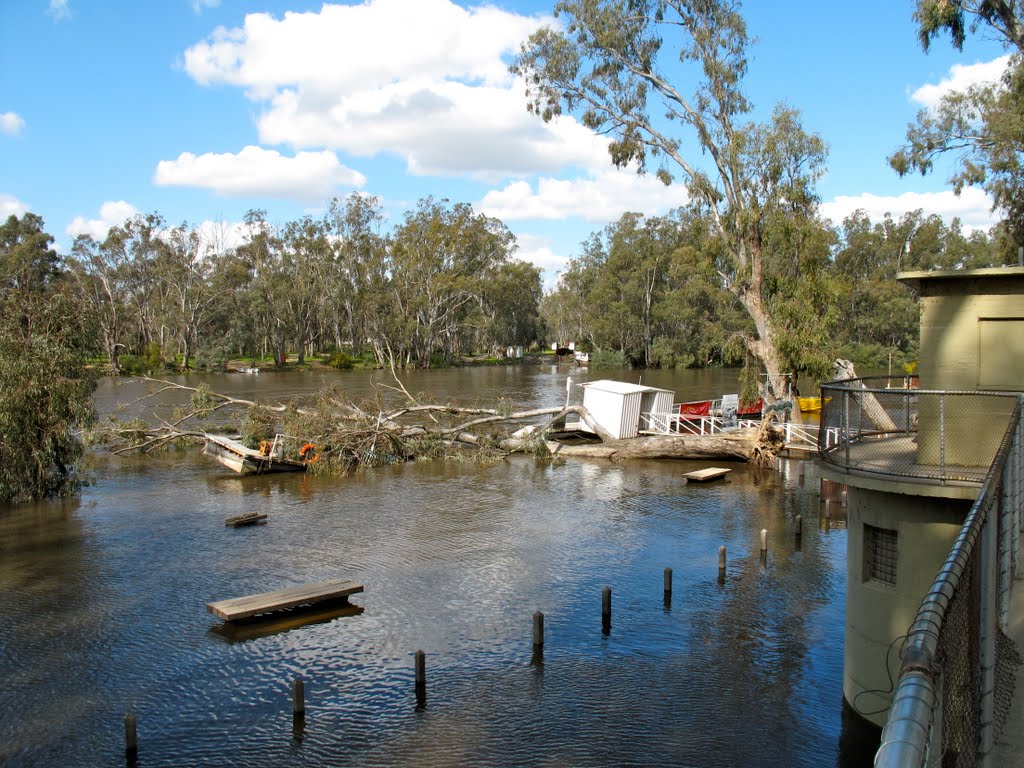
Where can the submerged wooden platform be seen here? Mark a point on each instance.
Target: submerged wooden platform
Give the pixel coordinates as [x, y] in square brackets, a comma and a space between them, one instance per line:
[709, 473]
[281, 599]
[249, 518]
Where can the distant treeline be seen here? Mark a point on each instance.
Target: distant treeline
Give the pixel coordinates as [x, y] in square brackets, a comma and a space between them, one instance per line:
[444, 284]
[650, 291]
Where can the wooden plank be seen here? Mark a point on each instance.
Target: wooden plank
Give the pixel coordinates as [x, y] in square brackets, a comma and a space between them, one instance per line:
[249, 518]
[281, 599]
[709, 473]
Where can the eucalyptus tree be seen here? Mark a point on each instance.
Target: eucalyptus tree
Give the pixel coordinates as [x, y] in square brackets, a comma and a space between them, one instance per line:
[45, 388]
[304, 267]
[510, 306]
[440, 258]
[103, 279]
[621, 66]
[356, 274]
[262, 250]
[184, 268]
[981, 129]
[136, 245]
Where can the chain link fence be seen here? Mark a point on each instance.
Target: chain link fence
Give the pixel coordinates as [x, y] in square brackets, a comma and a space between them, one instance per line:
[957, 677]
[886, 425]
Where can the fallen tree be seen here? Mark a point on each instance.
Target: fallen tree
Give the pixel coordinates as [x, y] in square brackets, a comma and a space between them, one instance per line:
[347, 435]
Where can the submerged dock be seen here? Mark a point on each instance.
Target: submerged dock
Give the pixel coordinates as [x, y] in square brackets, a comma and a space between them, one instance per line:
[282, 599]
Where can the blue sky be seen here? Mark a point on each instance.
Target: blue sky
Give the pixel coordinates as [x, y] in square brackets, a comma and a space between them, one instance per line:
[201, 110]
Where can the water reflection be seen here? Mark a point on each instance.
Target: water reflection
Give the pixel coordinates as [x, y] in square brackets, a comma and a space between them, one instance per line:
[102, 611]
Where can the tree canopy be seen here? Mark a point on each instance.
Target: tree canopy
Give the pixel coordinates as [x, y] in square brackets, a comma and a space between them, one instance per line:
[623, 68]
[981, 129]
[45, 389]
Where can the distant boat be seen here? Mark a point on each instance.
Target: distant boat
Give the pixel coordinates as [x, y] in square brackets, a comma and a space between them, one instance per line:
[249, 369]
[249, 461]
[582, 358]
[809, 404]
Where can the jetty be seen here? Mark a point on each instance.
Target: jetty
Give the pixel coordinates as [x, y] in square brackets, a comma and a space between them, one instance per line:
[282, 599]
[708, 473]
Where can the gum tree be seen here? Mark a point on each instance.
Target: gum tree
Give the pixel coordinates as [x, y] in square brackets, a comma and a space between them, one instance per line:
[981, 129]
[663, 79]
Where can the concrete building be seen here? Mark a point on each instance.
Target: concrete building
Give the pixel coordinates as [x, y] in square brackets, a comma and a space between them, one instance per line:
[913, 456]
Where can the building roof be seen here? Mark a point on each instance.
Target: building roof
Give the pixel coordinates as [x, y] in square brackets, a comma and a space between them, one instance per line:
[916, 279]
[621, 387]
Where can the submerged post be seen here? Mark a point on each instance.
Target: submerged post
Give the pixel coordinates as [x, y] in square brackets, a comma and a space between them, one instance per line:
[721, 564]
[298, 698]
[538, 629]
[668, 583]
[131, 740]
[799, 530]
[421, 679]
[606, 609]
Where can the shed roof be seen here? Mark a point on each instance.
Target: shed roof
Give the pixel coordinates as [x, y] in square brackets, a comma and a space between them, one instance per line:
[621, 387]
[916, 280]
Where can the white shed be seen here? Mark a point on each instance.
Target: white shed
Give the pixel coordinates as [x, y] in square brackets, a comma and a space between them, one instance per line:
[618, 405]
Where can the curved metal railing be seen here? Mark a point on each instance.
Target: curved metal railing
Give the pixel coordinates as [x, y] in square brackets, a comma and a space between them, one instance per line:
[887, 425]
[975, 580]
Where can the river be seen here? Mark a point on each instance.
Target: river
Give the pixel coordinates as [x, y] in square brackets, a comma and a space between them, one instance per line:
[102, 606]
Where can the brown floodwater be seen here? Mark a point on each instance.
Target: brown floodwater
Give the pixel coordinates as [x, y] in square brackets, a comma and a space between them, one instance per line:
[102, 607]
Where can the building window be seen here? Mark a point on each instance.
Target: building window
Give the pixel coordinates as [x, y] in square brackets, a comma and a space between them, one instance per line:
[879, 555]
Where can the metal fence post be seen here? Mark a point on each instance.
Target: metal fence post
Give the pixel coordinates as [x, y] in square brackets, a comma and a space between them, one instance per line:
[942, 437]
[846, 423]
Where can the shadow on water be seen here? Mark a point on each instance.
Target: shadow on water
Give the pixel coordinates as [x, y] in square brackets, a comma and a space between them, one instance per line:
[255, 627]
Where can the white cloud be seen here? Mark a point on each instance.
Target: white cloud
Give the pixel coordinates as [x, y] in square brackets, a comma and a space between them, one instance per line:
[960, 78]
[199, 5]
[11, 123]
[59, 10]
[426, 81]
[258, 171]
[601, 198]
[537, 250]
[11, 206]
[973, 207]
[112, 214]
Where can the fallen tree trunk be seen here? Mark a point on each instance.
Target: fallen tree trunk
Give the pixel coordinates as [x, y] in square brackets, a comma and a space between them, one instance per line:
[733, 446]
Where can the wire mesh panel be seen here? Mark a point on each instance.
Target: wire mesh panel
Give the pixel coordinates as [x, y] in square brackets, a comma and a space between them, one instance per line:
[889, 426]
[958, 659]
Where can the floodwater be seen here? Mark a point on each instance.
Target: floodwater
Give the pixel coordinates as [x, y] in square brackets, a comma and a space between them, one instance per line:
[102, 608]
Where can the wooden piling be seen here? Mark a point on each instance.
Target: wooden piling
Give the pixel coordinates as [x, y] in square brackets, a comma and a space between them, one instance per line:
[131, 739]
[421, 679]
[538, 629]
[606, 609]
[298, 698]
[721, 563]
[668, 582]
[764, 539]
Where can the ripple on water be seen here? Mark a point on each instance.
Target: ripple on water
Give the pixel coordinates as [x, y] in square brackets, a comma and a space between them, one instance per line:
[455, 560]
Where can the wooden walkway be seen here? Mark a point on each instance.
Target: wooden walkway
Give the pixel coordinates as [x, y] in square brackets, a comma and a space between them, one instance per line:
[282, 599]
[710, 473]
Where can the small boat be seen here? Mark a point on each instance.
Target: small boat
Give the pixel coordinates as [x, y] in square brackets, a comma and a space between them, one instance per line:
[582, 358]
[809, 404]
[249, 369]
[250, 461]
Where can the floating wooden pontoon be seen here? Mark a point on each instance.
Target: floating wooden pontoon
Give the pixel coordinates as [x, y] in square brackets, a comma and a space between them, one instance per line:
[248, 461]
[282, 599]
[709, 473]
[249, 518]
